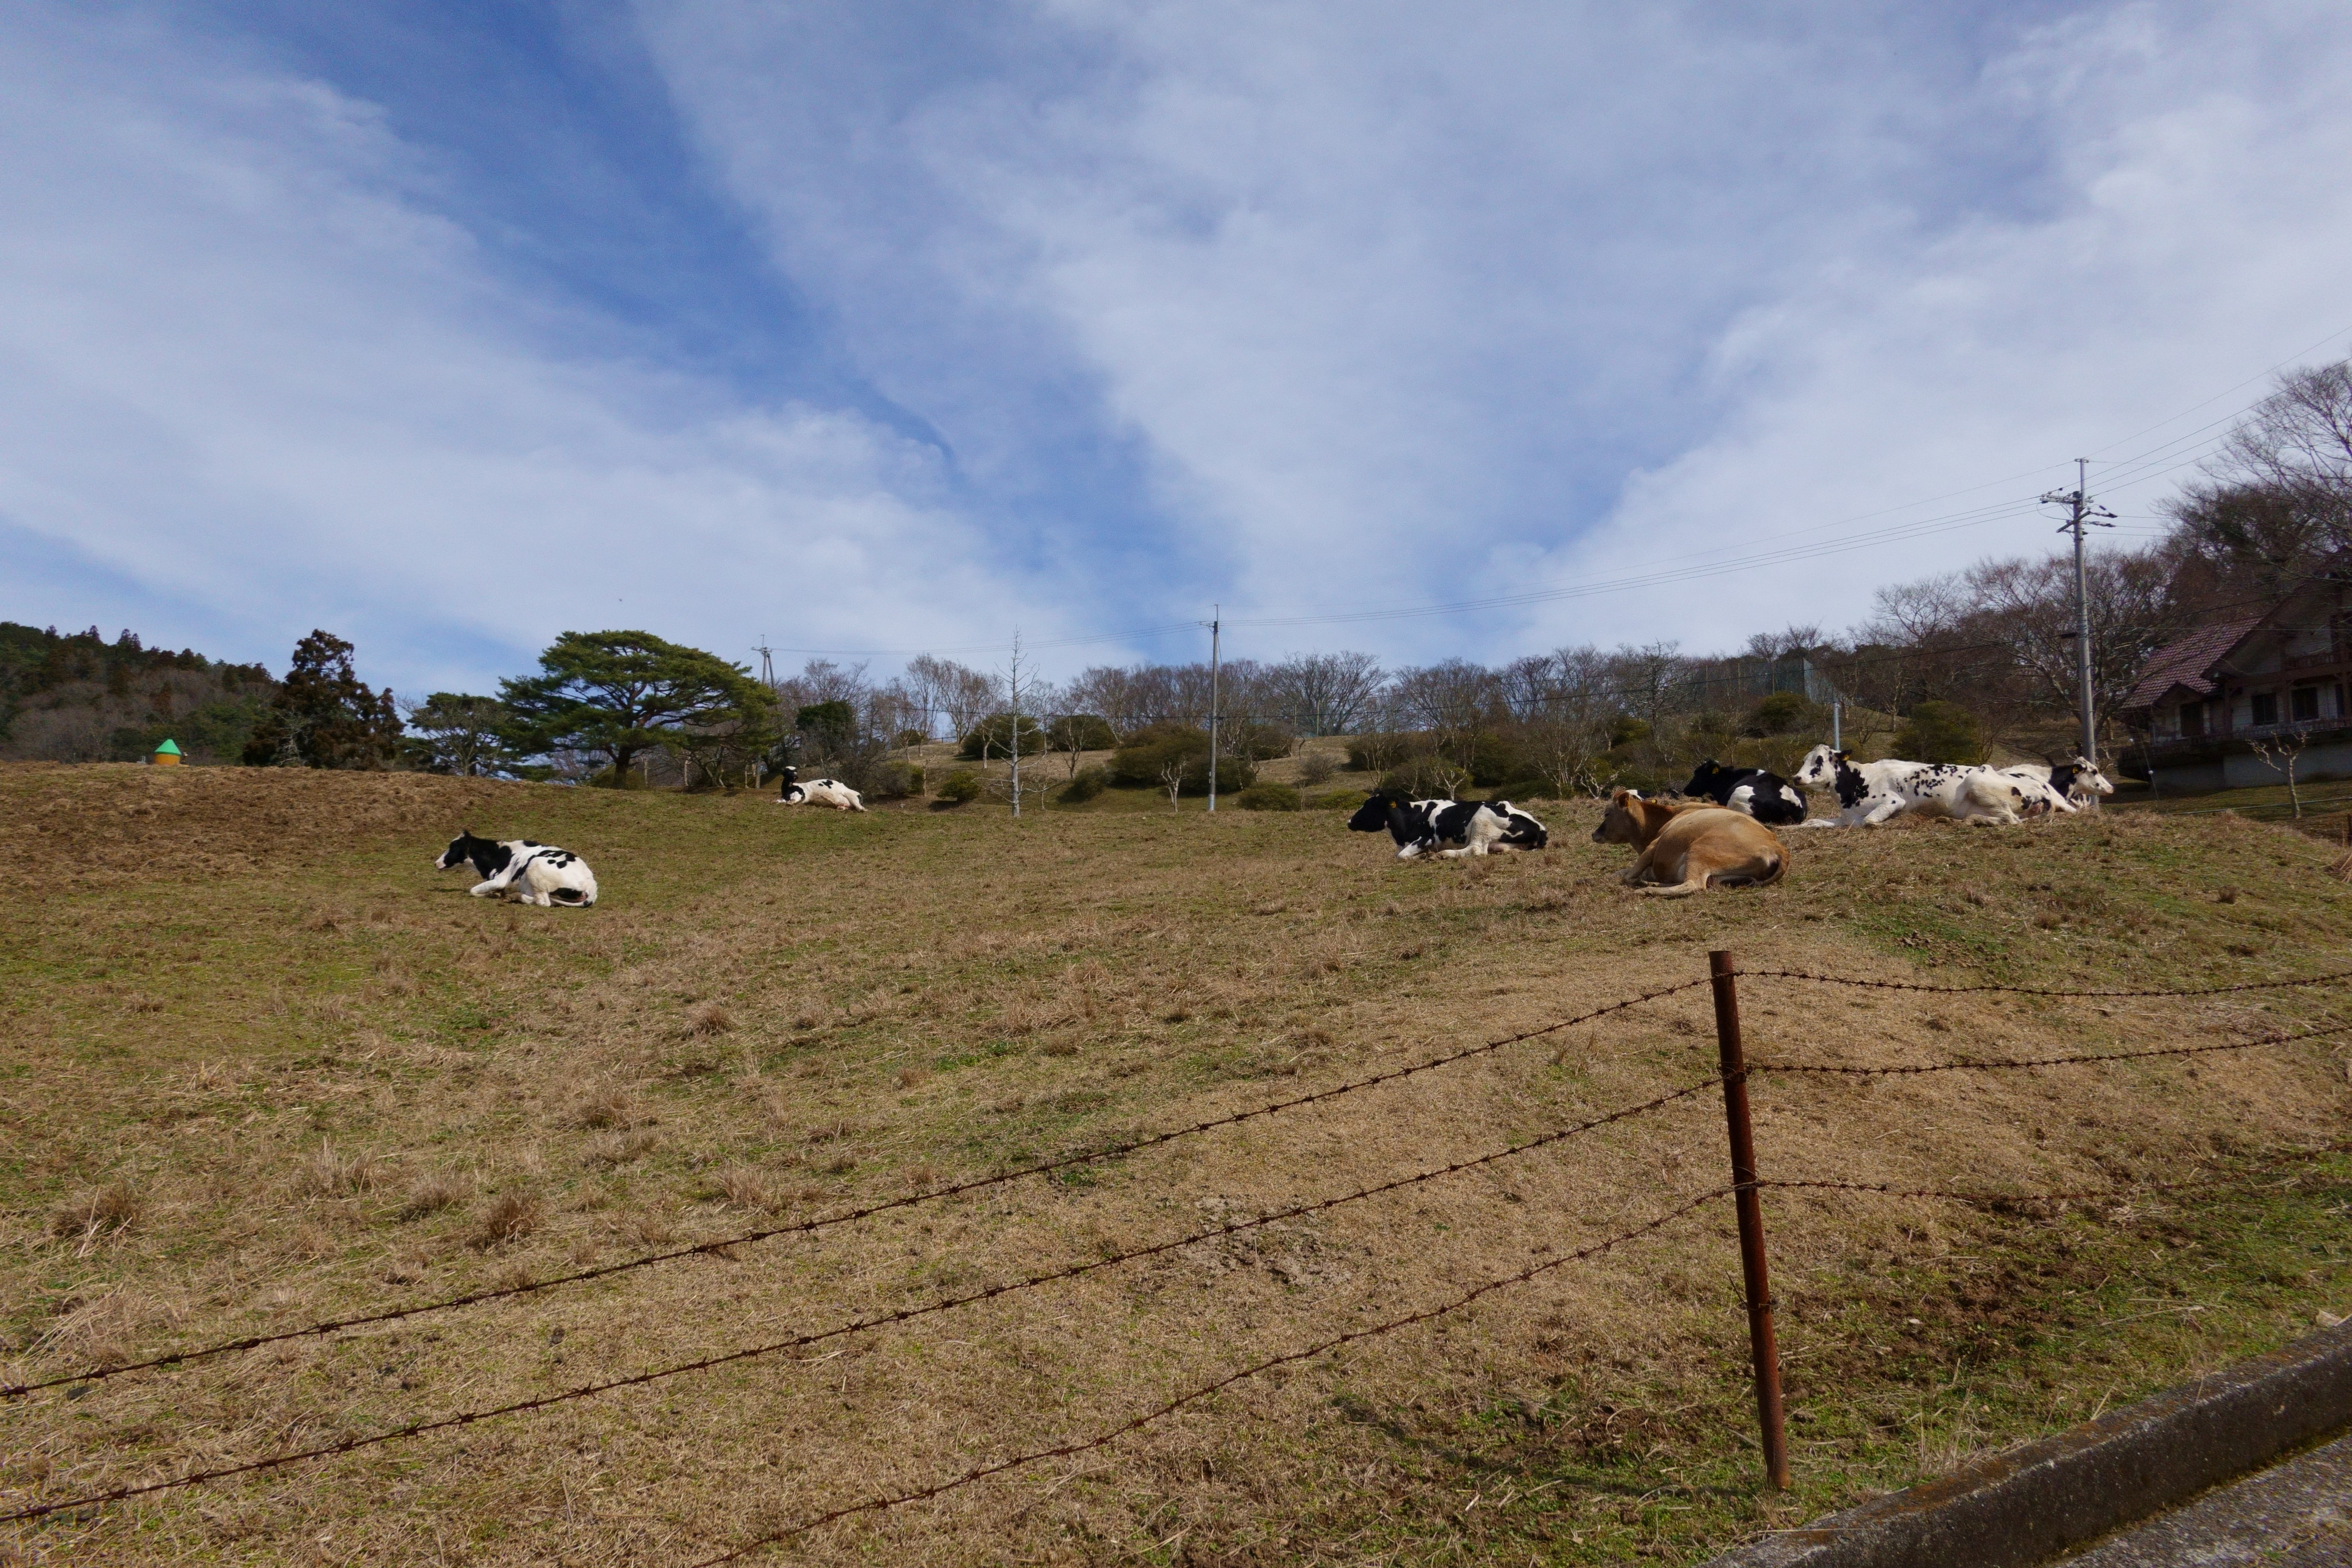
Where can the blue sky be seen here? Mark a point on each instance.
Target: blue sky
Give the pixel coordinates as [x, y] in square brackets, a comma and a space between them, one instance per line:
[874, 326]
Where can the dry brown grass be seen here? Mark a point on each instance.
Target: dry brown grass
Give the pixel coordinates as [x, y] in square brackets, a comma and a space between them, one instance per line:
[982, 994]
[433, 1194]
[511, 1217]
[97, 1211]
[328, 1175]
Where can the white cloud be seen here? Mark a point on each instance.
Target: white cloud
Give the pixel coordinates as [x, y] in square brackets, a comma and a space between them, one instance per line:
[2197, 232]
[249, 375]
[1391, 301]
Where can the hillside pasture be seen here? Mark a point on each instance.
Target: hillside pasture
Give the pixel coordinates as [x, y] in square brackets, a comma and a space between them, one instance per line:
[268, 1067]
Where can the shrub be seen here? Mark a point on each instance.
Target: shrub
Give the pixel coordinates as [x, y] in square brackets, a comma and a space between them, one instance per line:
[1425, 778]
[1138, 764]
[1316, 768]
[1379, 752]
[1269, 797]
[1628, 731]
[1085, 784]
[993, 737]
[1782, 713]
[1081, 733]
[1259, 742]
[896, 781]
[1234, 774]
[959, 786]
[1940, 732]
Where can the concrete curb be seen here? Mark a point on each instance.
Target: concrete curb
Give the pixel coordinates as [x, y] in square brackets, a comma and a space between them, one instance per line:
[2031, 1503]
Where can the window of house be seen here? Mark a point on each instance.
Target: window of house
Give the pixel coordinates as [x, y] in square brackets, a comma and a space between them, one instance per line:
[2303, 702]
[2265, 708]
[2192, 718]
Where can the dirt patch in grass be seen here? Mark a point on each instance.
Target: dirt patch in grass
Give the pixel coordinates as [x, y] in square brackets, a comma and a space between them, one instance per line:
[329, 1082]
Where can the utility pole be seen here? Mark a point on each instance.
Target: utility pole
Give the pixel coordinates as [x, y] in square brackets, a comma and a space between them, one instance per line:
[767, 662]
[1216, 614]
[1012, 686]
[2082, 514]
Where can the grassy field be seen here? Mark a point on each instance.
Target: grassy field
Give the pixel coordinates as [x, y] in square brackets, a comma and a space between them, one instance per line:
[266, 1066]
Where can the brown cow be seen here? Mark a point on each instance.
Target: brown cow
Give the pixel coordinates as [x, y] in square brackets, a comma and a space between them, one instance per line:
[1690, 848]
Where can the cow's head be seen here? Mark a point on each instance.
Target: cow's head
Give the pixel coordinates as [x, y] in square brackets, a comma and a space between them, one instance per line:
[485, 855]
[1820, 767]
[1630, 819]
[1710, 777]
[2080, 778]
[1372, 816]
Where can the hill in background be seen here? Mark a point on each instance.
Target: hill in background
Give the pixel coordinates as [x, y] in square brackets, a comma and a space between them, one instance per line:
[79, 699]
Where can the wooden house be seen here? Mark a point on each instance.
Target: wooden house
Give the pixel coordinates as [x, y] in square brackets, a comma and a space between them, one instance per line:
[2207, 705]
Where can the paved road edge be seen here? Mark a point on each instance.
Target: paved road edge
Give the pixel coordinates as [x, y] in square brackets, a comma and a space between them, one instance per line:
[2026, 1505]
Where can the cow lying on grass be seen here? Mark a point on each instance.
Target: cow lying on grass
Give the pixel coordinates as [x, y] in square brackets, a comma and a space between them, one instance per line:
[1470, 827]
[535, 873]
[817, 792]
[1687, 849]
[1766, 797]
[2077, 782]
[1872, 793]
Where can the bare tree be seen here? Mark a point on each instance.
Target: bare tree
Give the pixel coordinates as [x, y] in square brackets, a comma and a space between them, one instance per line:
[1452, 699]
[1171, 778]
[1324, 693]
[2276, 501]
[2280, 752]
[2031, 605]
[955, 693]
[1569, 704]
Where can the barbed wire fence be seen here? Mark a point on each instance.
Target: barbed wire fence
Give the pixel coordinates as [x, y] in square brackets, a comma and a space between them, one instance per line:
[1734, 1075]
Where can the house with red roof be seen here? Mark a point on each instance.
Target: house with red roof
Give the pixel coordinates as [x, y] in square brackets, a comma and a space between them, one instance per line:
[2207, 705]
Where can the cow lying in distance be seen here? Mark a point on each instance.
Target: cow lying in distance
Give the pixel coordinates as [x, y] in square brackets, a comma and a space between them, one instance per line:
[1872, 793]
[1471, 827]
[544, 875]
[1766, 797]
[1687, 849]
[2077, 781]
[817, 792]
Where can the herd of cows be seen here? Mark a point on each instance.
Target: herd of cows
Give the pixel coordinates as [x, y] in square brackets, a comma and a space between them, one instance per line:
[1719, 835]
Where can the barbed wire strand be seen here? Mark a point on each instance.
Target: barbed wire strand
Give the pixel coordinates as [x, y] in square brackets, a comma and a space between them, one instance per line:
[876, 1321]
[1193, 1396]
[1995, 1065]
[802, 1228]
[2083, 1194]
[2328, 979]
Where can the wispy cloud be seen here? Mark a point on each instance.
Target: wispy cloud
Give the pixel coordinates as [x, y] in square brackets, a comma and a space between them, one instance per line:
[253, 369]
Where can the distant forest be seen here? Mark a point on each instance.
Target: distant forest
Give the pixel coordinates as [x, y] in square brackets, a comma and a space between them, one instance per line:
[76, 697]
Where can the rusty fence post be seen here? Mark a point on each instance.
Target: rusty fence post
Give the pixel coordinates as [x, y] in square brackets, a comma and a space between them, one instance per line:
[1751, 1218]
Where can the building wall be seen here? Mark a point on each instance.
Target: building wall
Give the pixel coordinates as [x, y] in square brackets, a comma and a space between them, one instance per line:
[2316, 766]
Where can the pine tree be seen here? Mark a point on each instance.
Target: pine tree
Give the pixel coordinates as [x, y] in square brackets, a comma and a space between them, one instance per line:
[324, 716]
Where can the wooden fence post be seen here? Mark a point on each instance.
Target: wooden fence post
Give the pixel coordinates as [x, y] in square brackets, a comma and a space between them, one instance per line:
[1751, 1206]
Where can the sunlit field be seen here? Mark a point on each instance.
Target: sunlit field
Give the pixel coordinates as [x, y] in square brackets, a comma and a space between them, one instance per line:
[266, 1066]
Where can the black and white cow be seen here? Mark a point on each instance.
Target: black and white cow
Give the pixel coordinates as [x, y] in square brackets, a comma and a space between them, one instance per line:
[817, 792]
[1766, 797]
[1873, 792]
[535, 873]
[1463, 827]
[2077, 780]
